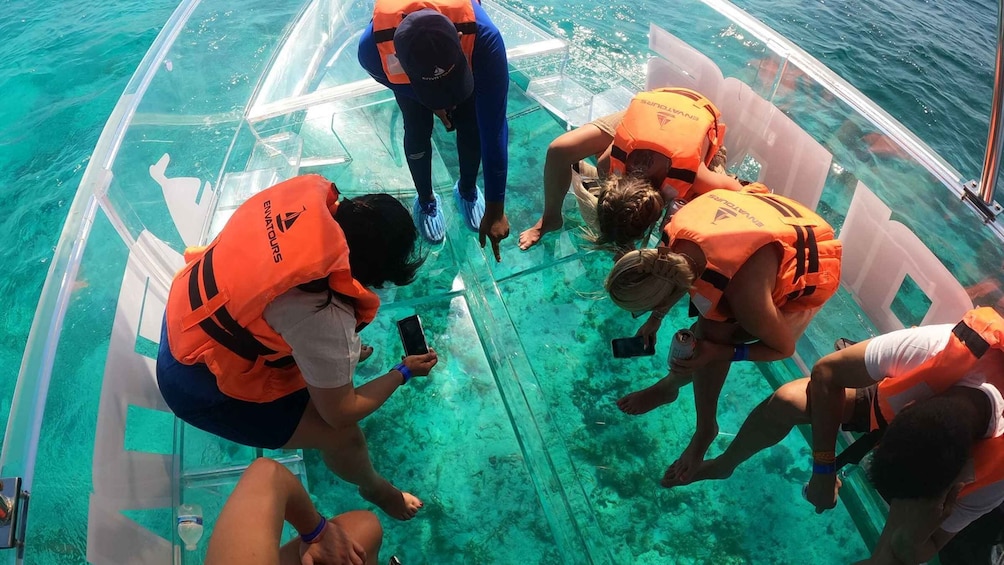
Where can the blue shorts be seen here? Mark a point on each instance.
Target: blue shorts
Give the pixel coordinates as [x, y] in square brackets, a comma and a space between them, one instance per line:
[193, 395]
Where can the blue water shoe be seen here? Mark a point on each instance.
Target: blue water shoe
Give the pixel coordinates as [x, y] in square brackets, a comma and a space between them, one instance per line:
[471, 210]
[429, 219]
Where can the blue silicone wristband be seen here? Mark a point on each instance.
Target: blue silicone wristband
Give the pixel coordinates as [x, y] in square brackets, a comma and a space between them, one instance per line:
[824, 468]
[312, 536]
[742, 352]
[404, 370]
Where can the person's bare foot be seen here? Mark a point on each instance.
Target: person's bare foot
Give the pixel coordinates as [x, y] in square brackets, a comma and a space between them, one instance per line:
[684, 469]
[364, 352]
[709, 469]
[530, 237]
[396, 503]
[648, 399]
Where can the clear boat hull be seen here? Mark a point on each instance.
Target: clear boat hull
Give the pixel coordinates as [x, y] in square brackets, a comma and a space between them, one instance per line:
[515, 444]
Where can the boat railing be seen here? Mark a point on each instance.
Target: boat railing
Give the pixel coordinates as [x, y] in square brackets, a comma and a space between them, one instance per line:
[991, 161]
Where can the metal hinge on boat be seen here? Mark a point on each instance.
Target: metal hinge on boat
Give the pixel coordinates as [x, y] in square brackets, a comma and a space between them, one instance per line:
[970, 193]
[13, 514]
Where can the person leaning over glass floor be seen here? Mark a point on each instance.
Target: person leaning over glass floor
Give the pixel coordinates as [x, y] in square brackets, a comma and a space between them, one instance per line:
[666, 146]
[446, 58]
[934, 392]
[757, 267]
[260, 335]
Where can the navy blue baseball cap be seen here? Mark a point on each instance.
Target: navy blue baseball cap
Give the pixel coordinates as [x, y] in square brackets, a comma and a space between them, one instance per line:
[428, 47]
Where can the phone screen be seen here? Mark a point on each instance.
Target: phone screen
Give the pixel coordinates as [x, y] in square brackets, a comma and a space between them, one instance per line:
[630, 347]
[412, 335]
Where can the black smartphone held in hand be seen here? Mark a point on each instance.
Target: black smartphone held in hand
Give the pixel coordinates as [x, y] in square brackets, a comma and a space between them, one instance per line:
[630, 347]
[412, 335]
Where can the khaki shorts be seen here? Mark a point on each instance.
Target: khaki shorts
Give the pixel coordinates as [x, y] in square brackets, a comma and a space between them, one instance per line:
[608, 124]
[865, 404]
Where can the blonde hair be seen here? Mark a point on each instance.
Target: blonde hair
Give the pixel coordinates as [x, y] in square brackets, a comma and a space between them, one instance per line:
[626, 209]
[644, 279]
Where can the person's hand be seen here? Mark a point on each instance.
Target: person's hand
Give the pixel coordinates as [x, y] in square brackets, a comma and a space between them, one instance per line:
[705, 353]
[822, 491]
[944, 510]
[925, 515]
[648, 330]
[421, 365]
[333, 548]
[444, 117]
[913, 522]
[494, 226]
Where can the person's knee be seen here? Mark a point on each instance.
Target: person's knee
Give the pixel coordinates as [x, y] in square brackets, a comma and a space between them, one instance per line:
[370, 524]
[363, 527]
[263, 470]
[788, 403]
[417, 146]
[564, 149]
[418, 134]
[822, 372]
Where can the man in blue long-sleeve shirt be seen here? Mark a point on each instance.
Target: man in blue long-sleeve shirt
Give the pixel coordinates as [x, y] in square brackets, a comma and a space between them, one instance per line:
[449, 62]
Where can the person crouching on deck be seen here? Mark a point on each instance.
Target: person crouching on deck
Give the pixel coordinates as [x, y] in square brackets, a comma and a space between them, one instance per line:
[665, 147]
[935, 394]
[757, 267]
[260, 336]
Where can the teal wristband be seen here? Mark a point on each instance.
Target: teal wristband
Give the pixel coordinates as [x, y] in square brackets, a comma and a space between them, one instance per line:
[404, 370]
[742, 352]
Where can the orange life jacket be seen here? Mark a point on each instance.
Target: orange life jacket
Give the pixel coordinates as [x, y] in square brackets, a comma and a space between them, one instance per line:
[731, 226]
[281, 237]
[387, 15]
[979, 331]
[674, 122]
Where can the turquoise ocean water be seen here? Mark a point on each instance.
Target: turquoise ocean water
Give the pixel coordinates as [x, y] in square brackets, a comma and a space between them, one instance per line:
[63, 65]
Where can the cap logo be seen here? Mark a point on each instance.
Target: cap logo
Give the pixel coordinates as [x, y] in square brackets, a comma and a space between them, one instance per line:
[439, 72]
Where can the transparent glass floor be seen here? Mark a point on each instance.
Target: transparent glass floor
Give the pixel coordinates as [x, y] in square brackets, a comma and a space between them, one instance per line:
[514, 442]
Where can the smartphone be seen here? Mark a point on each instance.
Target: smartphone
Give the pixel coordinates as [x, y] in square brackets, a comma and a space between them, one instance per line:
[412, 335]
[631, 347]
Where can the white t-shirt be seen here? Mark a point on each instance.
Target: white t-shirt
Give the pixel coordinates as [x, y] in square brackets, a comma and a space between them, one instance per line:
[323, 337]
[899, 352]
